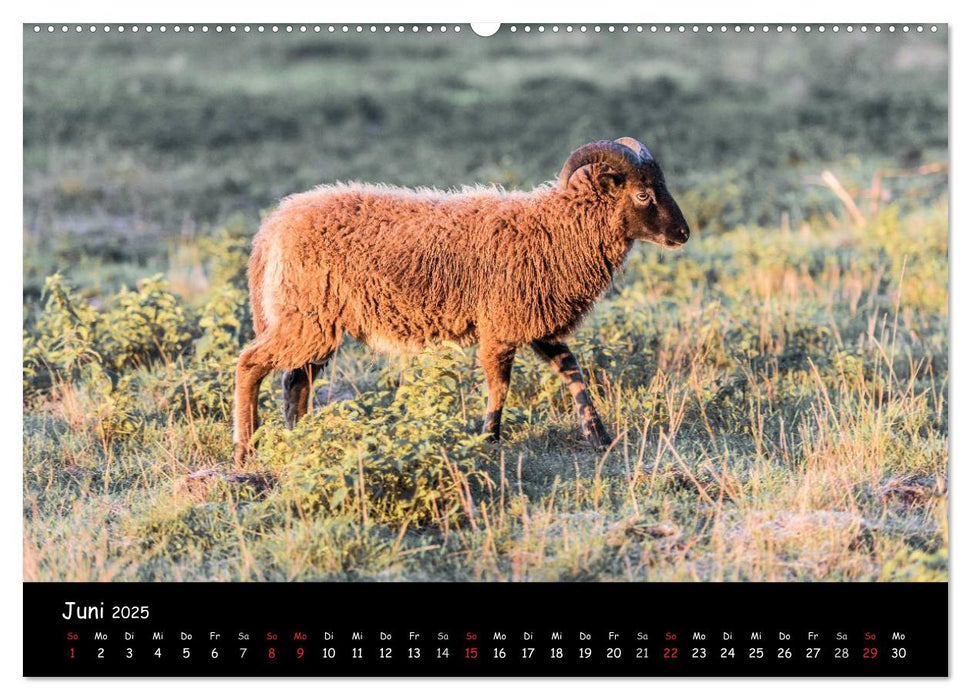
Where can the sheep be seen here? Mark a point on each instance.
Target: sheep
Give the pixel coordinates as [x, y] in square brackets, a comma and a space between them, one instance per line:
[401, 269]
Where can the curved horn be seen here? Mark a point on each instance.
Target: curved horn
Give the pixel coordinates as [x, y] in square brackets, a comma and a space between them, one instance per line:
[639, 148]
[616, 155]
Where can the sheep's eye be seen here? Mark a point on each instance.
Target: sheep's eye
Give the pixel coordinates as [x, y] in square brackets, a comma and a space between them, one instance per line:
[642, 196]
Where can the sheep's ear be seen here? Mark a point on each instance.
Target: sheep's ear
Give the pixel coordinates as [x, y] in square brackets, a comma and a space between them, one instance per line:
[581, 177]
[609, 179]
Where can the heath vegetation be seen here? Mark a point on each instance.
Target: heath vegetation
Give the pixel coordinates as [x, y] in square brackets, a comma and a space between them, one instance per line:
[778, 387]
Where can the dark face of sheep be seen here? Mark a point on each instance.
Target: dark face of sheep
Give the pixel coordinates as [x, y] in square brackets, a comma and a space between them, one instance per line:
[653, 214]
[624, 169]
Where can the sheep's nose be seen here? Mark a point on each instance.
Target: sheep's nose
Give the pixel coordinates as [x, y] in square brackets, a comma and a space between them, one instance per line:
[683, 233]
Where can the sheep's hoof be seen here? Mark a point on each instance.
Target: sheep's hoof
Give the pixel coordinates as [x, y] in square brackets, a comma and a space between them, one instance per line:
[602, 443]
[490, 426]
[240, 454]
[597, 435]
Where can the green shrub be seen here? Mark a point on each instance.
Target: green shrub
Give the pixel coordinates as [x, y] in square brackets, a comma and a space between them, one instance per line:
[141, 325]
[63, 339]
[116, 414]
[138, 327]
[205, 386]
[400, 455]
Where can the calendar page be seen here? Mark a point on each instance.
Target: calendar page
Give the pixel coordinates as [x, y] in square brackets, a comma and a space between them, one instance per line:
[485, 350]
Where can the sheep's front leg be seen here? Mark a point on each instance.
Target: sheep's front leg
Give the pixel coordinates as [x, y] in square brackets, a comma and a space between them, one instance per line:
[565, 364]
[496, 359]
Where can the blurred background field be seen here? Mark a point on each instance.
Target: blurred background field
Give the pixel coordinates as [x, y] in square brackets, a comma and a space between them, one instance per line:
[779, 386]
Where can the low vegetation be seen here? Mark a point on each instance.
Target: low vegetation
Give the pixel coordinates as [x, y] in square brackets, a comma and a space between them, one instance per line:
[778, 387]
[780, 401]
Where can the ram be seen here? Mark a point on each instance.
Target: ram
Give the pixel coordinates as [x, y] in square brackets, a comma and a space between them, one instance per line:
[401, 269]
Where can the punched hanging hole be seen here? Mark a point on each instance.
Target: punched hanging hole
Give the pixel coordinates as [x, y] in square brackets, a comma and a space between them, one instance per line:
[485, 28]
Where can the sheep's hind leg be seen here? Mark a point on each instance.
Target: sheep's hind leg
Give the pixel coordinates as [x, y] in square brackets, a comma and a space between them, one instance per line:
[254, 364]
[298, 390]
[565, 364]
[496, 359]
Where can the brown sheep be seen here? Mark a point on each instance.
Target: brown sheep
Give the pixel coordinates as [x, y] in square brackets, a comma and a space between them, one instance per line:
[400, 269]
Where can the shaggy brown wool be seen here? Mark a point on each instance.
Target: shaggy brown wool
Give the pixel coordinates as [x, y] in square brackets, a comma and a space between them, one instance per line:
[400, 269]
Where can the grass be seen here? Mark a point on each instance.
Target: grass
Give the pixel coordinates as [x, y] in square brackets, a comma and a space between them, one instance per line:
[778, 388]
[788, 422]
